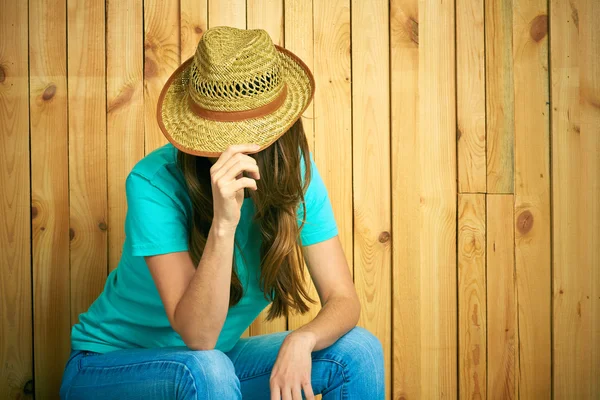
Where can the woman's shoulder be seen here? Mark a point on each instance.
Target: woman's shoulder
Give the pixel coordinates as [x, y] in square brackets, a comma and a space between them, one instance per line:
[158, 161]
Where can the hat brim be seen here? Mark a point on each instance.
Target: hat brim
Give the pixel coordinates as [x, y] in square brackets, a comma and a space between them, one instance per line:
[208, 138]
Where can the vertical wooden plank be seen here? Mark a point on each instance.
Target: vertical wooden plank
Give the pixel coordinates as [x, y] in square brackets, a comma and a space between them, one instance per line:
[532, 201]
[125, 111]
[472, 300]
[406, 266]
[437, 159]
[470, 93]
[575, 62]
[332, 111]
[15, 257]
[267, 15]
[193, 22]
[161, 58]
[500, 112]
[371, 147]
[502, 346]
[229, 13]
[87, 151]
[49, 192]
[299, 39]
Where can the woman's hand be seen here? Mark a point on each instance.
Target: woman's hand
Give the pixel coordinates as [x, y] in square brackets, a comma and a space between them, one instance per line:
[291, 372]
[228, 184]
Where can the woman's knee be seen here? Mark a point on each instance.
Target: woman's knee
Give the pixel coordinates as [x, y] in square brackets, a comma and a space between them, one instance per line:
[213, 373]
[360, 351]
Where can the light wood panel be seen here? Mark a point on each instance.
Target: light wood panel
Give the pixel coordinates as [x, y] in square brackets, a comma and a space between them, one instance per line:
[15, 255]
[499, 94]
[87, 151]
[299, 39]
[532, 195]
[437, 191]
[267, 15]
[194, 22]
[575, 73]
[333, 111]
[230, 13]
[405, 174]
[470, 94]
[124, 112]
[371, 146]
[472, 300]
[161, 58]
[49, 192]
[502, 345]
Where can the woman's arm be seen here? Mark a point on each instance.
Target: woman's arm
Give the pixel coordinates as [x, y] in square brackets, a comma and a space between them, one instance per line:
[340, 305]
[196, 300]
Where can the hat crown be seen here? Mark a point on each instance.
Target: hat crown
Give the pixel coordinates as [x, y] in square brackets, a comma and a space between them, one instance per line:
[234, 70]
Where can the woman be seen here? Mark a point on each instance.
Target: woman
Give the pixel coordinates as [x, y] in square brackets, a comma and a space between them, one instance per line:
[216, 230]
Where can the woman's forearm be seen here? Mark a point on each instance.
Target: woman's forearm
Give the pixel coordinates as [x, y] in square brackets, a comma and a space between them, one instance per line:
[201, 312]
[338, 316]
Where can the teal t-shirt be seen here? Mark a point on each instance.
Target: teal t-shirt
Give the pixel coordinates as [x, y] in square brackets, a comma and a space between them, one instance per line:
[129, 312]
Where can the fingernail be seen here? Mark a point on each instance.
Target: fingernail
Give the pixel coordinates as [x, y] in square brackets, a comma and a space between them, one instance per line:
[256, 146]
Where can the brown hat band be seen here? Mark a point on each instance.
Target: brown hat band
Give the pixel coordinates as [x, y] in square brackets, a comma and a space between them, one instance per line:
[234, 116]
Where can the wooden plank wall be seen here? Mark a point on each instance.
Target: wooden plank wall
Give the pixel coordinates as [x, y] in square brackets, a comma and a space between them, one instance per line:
[459, 141]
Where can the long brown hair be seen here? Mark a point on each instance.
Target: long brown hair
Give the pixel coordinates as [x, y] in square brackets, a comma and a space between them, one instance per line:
[280, 191]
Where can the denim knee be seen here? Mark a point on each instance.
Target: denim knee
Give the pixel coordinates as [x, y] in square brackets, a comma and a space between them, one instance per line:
[213, 373]
[362, 353]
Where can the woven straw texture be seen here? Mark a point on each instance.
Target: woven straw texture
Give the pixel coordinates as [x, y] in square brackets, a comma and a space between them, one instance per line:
[233, 70]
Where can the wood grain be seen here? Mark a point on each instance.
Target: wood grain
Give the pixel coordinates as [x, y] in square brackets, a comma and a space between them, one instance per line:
[405, 174]
[500, 111]
[470, 95]
[87, 152]
[124, 112]
[267, 15]
[229, 13]
[193, 22]
[575, 62]
[299, 39]
[532, 196]
[15, 255]
[49, 193]
[333, 111]
[371, 146]
[438, 188]
[161, 58]
[472, 299]
[502, 345]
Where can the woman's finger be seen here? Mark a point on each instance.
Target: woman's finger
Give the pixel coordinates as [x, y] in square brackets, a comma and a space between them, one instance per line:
[236, 159]
[297, 393]
[286, 394]
[240, 167]
[308, 392]
[275, 393]
[240, 184]
[232, 150]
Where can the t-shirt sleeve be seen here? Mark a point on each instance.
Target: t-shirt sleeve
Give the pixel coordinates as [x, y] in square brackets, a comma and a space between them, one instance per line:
[320, 222]
[155, 223]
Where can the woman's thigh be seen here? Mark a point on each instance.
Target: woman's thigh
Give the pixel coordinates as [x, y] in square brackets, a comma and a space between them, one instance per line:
[351, 368]
[162, 373]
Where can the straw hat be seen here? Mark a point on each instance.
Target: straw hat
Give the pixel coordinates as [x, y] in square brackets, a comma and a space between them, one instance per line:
[238, 87]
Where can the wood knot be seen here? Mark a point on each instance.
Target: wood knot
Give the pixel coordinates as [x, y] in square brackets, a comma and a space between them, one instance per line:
[28, 389]
[34, 212]
[384, 237]
[197, 29]
[561, 291]
[102, 225]
[2, 74]
[525, 221]
[539, 27]
[49, 92]
[71, 234]
[458, 133]
[150, 68]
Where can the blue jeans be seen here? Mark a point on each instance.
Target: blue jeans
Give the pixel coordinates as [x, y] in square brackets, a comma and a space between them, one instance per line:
[351, 368]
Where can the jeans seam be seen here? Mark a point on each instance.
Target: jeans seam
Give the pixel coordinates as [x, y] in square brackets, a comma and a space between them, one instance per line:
[136, 364]
[335, 362]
